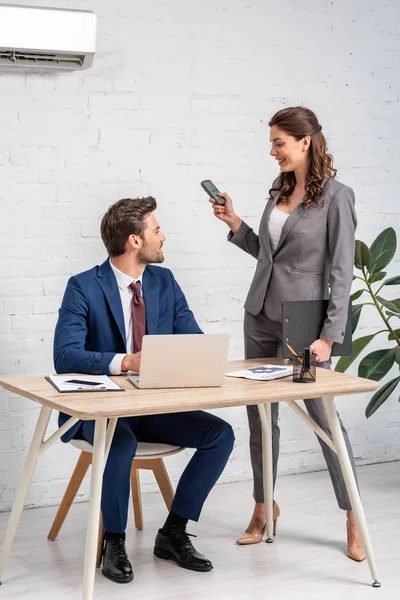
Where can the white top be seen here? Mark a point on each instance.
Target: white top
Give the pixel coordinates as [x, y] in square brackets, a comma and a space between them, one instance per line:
[277, 220]
[126, 295]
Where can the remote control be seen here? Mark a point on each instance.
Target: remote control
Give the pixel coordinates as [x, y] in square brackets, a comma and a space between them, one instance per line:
[210, 188]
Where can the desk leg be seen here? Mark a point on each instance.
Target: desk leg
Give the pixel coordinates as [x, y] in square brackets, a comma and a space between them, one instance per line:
[99, 447]
[30, 464]
[351, 484]
[266, 423]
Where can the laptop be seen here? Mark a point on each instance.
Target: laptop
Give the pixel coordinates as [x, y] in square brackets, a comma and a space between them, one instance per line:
[182, 361]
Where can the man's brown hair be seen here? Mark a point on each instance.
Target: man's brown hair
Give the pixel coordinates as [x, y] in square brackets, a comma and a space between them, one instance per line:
[124, 218]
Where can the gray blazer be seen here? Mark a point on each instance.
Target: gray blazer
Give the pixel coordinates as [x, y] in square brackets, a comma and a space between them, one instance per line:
[313, 260]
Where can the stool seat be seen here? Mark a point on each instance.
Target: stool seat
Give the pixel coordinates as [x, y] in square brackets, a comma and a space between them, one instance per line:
[148, 456]
[144, 450]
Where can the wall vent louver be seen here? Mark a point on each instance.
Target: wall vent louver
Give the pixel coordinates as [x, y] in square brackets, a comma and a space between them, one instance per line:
[37, 37]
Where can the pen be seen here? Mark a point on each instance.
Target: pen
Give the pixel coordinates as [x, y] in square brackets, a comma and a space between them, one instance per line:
[306, 363]
[307, 358]
[294, 353]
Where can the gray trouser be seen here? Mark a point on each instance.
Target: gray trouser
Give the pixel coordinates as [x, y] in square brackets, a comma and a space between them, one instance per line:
[263, 338]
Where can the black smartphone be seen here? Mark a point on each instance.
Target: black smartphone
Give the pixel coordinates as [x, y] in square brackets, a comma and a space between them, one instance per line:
[81, 382]
[211, 189]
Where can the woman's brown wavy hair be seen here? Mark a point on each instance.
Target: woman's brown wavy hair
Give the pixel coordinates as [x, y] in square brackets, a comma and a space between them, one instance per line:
[299, 122]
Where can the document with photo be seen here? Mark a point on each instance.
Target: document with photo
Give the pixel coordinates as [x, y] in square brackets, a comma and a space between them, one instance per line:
[263, 372]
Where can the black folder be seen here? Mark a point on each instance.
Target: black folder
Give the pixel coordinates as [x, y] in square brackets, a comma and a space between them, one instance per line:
[302, 323]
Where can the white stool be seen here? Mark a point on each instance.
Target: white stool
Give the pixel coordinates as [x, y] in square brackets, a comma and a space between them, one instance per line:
[148, 456]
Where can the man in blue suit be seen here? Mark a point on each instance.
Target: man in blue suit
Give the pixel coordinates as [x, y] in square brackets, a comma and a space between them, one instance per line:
[104, 314]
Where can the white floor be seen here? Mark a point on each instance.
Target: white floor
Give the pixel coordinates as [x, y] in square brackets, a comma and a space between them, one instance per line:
[306, 562]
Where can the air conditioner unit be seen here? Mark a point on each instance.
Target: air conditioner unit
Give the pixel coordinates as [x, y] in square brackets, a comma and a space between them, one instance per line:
[55, 38]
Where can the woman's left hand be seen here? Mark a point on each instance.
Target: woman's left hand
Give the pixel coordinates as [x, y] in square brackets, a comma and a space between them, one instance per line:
[322, 348]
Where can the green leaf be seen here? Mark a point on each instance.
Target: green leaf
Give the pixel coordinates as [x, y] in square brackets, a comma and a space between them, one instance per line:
[362, 254]
[397, 352]
[390, 336]
[377, 364]
[376, 277]
[393, 305]
[393, 281]
[355, 316]
[391, 314]
[356, 295]
[357, 347]
[382, 250]
[380, 396]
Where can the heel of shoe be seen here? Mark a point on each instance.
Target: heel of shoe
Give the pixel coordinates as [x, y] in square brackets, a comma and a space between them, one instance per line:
[276, 513]
[161, 553]
[275, 522]
[100, 555]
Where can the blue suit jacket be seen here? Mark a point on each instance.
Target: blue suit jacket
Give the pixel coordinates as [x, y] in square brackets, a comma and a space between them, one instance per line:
[90, 328]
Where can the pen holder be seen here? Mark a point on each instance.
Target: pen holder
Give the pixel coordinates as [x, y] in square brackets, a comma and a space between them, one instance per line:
[303, 373]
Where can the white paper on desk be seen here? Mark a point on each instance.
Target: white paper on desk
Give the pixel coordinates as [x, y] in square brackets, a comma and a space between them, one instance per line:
[60, 382]
[263, 372]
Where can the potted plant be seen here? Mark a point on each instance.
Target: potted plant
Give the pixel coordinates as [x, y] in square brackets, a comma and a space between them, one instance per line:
[372, 262]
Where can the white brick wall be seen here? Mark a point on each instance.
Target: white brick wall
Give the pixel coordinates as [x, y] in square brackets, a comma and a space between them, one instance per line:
[181, 91]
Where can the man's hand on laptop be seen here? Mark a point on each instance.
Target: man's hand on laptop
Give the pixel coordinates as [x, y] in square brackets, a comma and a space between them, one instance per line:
[131, 362]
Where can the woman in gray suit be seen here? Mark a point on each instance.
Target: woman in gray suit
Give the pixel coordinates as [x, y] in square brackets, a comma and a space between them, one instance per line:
[305, 241]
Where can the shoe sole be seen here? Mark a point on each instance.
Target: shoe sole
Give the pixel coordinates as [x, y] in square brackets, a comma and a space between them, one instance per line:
[115, 579]
[167, 556]
[356, 559]
[249, 543]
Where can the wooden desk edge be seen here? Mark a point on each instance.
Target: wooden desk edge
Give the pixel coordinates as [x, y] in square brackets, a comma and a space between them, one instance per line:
[363, 386]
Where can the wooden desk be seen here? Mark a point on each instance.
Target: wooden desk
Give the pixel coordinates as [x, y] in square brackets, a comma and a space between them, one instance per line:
[101, 406]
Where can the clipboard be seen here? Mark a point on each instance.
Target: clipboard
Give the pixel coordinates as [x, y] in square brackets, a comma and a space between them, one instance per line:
[60, 383]
[302, 322]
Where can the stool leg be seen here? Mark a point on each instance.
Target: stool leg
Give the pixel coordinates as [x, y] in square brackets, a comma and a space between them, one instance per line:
[75, 482]
[136, 498]
[100, 541]
[164, 483]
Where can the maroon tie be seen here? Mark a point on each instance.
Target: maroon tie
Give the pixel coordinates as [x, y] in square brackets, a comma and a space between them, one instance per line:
[138, 316]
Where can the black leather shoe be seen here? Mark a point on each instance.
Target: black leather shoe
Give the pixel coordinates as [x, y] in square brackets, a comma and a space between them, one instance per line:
[116, 565]
[178, 547]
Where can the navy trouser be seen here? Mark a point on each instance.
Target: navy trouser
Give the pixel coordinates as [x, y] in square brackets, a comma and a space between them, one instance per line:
[211, 436]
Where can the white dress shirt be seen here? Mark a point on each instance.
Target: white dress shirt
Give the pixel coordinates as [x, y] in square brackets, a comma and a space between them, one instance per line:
[126, 295]
[277, 220]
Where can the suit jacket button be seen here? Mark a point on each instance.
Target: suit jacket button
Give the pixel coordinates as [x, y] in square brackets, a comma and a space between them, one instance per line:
[342, 333]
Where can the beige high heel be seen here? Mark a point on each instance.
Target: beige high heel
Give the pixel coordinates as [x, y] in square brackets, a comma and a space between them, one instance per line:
[255, 538]
[355, 548]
